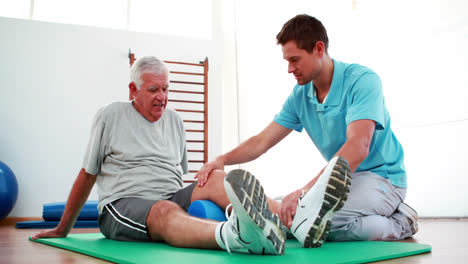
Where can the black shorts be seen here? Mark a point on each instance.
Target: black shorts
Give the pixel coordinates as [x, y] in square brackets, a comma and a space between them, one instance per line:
[125, 219]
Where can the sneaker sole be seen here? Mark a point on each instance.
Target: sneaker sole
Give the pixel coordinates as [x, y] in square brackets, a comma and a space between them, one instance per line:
[249, 192]
[411, 214]
[408, 211]
[334, 199]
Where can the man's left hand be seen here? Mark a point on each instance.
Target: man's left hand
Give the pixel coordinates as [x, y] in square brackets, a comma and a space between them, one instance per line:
[287, 209]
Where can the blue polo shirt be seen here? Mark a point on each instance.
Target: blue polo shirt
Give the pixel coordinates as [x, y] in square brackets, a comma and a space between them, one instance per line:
[355, 94]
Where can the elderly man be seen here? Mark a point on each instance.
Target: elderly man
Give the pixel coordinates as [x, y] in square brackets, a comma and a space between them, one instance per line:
[137, 154]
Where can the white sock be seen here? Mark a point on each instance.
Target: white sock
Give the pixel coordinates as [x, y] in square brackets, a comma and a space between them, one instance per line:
[220, 236]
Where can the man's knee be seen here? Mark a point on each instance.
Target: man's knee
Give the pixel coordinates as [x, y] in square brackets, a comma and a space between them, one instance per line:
[159, 216]
[213, 189]
[161, 210]
[214, 185]
[217, 177]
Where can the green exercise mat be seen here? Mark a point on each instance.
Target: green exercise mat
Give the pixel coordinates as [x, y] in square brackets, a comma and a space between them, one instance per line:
[147, 252]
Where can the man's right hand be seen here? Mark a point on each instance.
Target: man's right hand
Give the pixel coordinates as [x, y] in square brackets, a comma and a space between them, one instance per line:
[78, 195]
[203, 174]
[54, 233]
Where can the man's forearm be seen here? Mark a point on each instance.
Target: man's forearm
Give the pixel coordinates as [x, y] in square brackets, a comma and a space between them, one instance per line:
[355, 152]
[257, 145]
[78, 195]
[247, 151]
[358, 139]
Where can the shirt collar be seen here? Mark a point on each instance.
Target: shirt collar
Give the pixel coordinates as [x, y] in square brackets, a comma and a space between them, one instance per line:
[333, 97]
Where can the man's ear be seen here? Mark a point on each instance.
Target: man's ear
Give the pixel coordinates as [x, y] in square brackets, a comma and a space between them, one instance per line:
[133, 89]
[319, 48]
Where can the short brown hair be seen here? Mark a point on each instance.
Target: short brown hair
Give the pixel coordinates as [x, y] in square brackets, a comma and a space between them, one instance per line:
[305, 30]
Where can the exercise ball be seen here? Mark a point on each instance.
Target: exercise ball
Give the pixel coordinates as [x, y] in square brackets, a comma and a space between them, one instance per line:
[8, 190]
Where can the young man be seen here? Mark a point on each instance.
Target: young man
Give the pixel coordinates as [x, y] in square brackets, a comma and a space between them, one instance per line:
[137, 155]
[341, 106]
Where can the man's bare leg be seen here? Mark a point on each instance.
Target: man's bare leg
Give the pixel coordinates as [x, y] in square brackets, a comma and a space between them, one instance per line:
[168, 222]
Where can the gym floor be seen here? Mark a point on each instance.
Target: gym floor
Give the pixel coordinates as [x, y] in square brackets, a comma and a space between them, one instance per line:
[448, 238]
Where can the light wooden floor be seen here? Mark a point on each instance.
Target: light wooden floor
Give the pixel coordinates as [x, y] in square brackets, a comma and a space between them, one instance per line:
[448, 238]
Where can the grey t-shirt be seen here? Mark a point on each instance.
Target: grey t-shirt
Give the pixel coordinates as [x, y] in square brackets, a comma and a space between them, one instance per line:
[133, 157]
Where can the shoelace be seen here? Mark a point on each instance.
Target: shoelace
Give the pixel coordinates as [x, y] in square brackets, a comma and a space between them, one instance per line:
[226, 213]
[300, 198]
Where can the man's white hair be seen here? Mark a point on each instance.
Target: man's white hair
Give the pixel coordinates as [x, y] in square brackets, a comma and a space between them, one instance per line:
[147, 64]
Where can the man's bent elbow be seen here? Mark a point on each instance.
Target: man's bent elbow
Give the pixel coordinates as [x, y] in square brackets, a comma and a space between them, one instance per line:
[364, 149]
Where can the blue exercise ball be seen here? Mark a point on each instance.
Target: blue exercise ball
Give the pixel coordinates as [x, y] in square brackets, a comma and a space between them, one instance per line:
[8, 190]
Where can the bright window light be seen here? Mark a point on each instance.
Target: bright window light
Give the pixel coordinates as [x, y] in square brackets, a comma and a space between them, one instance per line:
[187, 18]
[101, 13]
[15, 8]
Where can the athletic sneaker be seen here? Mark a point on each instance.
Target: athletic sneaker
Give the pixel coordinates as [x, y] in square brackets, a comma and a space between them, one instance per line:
[251, 224]
[316, 208]
[411, 214]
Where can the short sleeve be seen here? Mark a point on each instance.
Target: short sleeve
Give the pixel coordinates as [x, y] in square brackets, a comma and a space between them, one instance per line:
[366, 101]
[95, 151]
[184, 162]
[183, 142]
[288, 117]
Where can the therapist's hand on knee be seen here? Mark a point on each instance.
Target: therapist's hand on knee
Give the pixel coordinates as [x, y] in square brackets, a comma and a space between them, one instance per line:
[204, 173]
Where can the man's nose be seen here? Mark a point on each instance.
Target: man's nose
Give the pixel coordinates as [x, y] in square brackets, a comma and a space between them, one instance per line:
[161, 96]
[291, 68]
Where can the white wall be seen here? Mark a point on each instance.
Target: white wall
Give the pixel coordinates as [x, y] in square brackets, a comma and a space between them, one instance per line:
[53, 78]
[419, 50]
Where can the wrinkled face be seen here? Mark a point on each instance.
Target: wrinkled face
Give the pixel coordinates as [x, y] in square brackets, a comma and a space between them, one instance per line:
[305, 66]
[151, 98]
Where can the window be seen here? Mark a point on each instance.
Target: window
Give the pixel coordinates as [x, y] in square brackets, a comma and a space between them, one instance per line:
[188, 18]
[101, 13]
[15, 8]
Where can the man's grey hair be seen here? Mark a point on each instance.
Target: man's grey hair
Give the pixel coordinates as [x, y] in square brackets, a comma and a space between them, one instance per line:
[147, 64]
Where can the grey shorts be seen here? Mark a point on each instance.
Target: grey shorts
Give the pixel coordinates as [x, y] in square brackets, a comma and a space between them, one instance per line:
[125, 219]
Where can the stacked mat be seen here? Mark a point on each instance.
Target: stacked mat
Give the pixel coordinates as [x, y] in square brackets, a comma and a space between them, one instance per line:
[52, 212]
